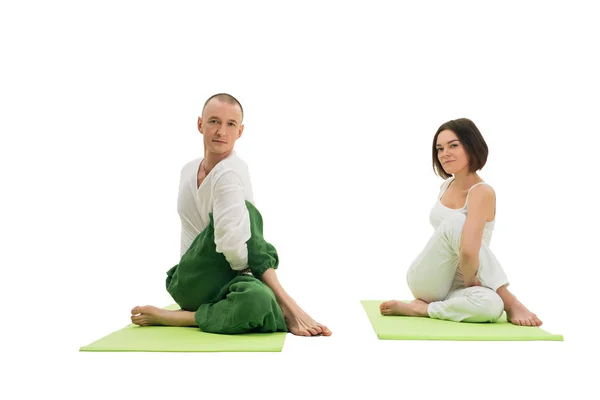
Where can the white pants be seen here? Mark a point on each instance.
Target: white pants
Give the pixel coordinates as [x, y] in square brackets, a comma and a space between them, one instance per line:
[435, 277]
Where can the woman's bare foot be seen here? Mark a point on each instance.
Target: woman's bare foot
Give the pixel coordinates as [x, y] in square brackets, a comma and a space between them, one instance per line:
[150, 315]
[516, 312]
[416, 308]
[300, 323]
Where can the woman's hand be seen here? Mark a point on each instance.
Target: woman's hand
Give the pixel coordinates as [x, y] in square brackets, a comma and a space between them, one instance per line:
[472, 281]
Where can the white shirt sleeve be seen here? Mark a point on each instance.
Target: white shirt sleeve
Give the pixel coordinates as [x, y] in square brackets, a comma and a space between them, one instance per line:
[232, 221]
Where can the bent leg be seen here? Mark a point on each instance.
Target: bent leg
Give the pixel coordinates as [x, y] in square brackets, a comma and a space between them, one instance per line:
[436, 270]
[431, 275]
[472, 304]
[262, 262]
[245, 305]
[201, 272]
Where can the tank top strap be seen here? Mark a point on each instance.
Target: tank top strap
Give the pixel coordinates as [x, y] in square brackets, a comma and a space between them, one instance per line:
[471, 188]
[444, 187]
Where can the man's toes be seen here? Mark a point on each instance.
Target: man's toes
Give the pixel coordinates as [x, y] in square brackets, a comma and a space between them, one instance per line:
[300, 332]
[312, 331]
[324, 330]
[136, 310]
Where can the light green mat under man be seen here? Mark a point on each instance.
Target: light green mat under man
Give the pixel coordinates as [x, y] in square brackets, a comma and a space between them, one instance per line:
[224, 300]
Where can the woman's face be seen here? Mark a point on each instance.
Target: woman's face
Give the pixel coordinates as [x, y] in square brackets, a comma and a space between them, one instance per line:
[451, 153]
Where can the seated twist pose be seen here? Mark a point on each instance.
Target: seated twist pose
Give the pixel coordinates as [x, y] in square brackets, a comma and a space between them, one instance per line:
[225, 281]
[457, 277]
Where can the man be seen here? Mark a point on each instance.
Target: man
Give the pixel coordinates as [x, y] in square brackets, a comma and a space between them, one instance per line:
[225, 281]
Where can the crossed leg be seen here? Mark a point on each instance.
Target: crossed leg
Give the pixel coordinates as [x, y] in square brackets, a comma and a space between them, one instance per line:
[432, 279]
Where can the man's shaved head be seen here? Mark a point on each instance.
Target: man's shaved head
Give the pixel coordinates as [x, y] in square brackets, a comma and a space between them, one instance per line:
[225, 98]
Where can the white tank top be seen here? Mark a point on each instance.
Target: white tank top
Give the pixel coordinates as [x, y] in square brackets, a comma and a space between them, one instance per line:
[439, 211]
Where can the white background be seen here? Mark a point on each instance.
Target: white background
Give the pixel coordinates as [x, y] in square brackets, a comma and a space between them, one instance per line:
[99, 104]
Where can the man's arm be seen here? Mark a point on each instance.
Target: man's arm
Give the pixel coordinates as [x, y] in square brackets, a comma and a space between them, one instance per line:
[232, 222]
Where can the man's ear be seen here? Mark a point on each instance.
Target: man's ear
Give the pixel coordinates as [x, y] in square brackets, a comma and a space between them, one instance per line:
[240, 131]
[200, 125]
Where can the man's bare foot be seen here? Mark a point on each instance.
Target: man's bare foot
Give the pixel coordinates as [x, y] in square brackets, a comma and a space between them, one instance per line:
[150, 315]
[300, 323]
[416, 308]
[518, 314]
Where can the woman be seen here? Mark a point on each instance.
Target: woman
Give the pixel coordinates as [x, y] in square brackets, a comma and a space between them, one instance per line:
[457, 277]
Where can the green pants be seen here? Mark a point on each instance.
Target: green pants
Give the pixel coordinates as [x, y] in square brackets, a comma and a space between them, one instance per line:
[224, 300]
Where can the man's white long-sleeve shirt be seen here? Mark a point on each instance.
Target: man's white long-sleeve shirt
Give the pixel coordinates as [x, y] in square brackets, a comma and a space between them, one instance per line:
[223, 192]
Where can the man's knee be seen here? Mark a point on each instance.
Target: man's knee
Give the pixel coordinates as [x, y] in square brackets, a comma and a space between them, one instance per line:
[255, 295]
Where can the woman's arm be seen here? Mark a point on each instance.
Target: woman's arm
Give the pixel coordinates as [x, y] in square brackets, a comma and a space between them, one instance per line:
[481, 205]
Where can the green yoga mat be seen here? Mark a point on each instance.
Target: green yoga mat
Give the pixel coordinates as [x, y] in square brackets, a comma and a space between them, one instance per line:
[179, 339]
[418, 328]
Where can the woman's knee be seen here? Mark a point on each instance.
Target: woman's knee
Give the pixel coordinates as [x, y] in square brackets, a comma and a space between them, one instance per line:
[489, 303]
[427, 288]
[428, 293]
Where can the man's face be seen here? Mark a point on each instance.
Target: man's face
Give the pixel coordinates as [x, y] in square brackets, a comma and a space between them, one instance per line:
[221, 125]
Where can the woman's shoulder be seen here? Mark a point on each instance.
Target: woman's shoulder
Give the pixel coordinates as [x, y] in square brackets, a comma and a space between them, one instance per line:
[482, 187]
[481, 192]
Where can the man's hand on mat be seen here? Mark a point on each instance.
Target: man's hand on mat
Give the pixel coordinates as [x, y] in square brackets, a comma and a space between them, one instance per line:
[300, 323]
